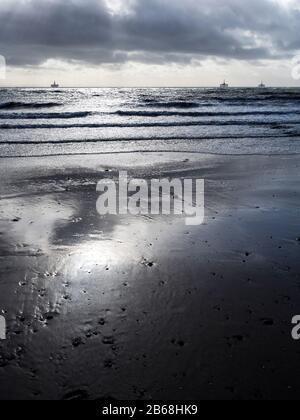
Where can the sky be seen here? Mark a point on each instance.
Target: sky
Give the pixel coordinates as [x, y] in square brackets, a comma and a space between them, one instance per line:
[150, 42]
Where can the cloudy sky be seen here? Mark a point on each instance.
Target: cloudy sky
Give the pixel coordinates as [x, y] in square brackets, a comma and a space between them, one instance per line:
[149, 42]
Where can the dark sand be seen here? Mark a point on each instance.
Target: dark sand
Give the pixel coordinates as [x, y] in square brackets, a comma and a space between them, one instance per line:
[148, 308]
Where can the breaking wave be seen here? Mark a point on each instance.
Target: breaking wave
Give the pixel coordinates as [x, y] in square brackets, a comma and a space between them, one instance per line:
[27, 105]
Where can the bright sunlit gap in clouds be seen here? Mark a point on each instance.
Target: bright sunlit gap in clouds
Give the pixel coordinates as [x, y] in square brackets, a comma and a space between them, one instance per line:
[119, 6]
[149, 42]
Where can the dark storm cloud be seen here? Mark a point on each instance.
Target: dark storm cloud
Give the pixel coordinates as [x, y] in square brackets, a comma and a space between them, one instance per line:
[158, 31]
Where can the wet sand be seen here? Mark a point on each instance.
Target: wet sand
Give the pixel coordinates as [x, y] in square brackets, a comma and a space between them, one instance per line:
[148, 308]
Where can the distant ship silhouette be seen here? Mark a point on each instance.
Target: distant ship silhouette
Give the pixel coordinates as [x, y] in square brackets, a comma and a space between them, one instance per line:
[224, 85]
[262, 85]
[55, 85]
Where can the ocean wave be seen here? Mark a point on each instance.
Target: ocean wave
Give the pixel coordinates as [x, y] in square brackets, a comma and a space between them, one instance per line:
[150, 138]
[250, 99]
[277, 124]
[132, 113]
[172, 104]
[20, 105]
[201, 114]
[46, 116]
[281, 96]
[37, 91]
[226, 96]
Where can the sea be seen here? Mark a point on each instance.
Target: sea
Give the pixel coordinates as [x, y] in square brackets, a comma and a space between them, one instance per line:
[53, 122]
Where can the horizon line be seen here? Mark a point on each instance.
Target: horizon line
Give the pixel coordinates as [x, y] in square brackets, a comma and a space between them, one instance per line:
[146, 87]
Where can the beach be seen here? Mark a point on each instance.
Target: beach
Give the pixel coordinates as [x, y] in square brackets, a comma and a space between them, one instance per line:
[149, 203]
[145, 307]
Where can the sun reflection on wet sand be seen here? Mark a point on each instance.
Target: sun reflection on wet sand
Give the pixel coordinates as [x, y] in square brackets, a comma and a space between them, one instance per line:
[139, 306]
